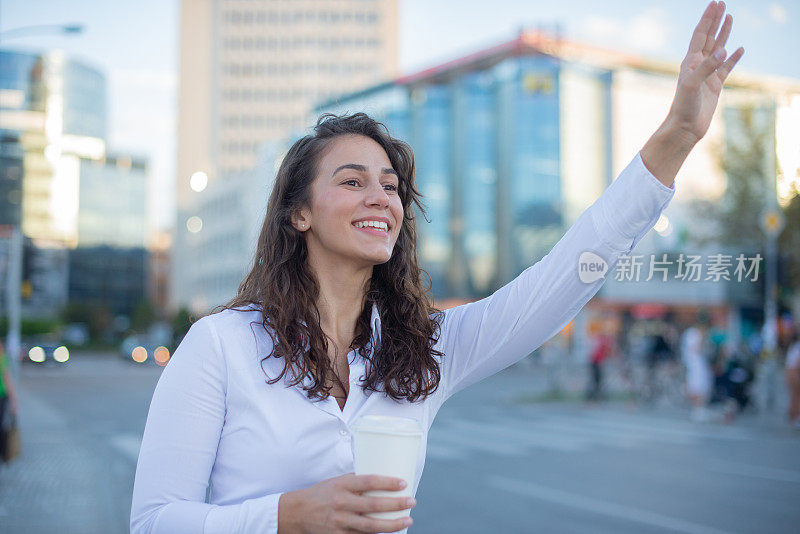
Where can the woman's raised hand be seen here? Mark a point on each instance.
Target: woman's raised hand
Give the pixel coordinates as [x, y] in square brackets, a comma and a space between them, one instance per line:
[703, 71]
[336, 506]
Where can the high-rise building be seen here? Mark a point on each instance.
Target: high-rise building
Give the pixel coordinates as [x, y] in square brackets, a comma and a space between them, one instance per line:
[57, 107]
[82, 209]
[113, 202]
[250, 72]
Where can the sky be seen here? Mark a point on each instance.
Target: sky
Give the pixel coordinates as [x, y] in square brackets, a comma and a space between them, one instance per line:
[135, 43]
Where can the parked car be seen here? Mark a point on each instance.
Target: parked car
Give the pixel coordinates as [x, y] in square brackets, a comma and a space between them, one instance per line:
[142, 349]
[44, 351]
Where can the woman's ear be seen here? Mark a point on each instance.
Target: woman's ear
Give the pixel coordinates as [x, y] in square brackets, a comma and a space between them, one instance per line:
[301, 220]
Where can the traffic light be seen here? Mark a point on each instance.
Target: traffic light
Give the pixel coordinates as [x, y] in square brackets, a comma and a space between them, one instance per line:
[11, 167]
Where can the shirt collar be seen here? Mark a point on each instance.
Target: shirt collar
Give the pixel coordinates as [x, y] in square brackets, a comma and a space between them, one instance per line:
[357, 363]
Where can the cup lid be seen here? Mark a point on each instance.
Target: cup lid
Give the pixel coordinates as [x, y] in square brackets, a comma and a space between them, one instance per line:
[389, 424]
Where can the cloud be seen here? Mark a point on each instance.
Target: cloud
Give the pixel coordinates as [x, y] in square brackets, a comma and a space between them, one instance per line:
[778, 13]
[648, 31]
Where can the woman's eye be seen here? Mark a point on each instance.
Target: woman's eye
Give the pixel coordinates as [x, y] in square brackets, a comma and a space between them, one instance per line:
[351, 180]
[391, 187]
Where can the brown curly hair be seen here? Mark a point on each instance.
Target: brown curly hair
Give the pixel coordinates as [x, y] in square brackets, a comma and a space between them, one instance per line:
[283, 286]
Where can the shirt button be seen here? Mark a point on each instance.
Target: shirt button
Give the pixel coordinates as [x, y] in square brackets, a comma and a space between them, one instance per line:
[343, 432]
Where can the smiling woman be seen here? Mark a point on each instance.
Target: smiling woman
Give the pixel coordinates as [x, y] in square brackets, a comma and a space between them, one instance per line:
[338, 238]
[335, 298]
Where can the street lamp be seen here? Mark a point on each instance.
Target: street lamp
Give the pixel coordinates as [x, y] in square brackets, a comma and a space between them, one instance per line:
[38, 29]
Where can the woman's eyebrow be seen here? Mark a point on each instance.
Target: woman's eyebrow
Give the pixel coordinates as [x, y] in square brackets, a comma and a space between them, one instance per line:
[362, 168]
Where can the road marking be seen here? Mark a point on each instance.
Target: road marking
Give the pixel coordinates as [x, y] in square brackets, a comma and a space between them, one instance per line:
[128, 445]
[769, 473]
[599, 506]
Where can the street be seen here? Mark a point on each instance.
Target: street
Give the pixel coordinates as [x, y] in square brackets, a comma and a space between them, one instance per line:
[495, 463]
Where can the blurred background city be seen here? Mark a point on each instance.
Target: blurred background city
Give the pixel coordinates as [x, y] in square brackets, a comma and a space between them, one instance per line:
[138, 145]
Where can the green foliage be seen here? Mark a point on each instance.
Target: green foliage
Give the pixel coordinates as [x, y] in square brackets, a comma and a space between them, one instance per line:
[32, 327]
[735, 217]
[97, 316]
[181, 322]
[144, 314]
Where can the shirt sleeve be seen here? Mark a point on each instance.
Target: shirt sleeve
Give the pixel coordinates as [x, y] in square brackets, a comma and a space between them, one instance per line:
[179, 447]
[481, 338]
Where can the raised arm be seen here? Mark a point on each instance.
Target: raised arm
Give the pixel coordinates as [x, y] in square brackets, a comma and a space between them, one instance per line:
[703, 71]
[179, 447]
[481, 338]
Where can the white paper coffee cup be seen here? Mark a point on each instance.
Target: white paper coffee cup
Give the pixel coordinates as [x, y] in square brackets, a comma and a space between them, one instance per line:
[387, 445]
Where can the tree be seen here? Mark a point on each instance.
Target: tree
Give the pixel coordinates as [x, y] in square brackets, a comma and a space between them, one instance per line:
[144, 314]
[733, 220]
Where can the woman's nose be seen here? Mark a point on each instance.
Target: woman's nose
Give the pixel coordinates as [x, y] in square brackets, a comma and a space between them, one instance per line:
[376, 195]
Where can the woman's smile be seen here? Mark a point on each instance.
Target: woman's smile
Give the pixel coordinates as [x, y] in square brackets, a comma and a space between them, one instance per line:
[373, 231]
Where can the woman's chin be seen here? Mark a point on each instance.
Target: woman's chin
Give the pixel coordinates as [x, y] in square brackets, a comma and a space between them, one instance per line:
[377, 258]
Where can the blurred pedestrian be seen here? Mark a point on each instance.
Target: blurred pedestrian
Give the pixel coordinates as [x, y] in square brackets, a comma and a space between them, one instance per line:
[694, 353]
[792, 372]
[9, 403]
[602, 348]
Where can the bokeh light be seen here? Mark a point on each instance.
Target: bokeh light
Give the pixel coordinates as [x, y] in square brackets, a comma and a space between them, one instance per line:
[139, 354]
[194, 224]
[198, 181]
[61, 354]
[36, 354]
[161, 356]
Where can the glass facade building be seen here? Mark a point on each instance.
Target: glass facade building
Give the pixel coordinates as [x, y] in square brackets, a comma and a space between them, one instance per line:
[76, 93]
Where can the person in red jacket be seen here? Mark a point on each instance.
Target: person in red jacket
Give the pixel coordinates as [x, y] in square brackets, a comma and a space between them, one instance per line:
[602, 348]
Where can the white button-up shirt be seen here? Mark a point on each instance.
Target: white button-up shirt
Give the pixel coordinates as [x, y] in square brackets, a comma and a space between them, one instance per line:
[214, 420]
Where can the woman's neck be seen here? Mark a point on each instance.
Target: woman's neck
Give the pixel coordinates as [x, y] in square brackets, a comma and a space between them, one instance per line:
[342, 291]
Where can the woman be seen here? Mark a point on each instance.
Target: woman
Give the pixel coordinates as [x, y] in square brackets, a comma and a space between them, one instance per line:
[695, 346]
[334, 307]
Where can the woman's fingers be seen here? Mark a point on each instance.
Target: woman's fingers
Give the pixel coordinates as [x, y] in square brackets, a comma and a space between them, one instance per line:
[706, 67]
[367, 505]
[362, 483]
[700, 34]
[727, 67]
[719, 9]
[360, 523]
[722, 38]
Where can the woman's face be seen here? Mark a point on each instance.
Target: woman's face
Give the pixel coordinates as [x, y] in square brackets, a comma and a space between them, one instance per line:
[356, 212]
